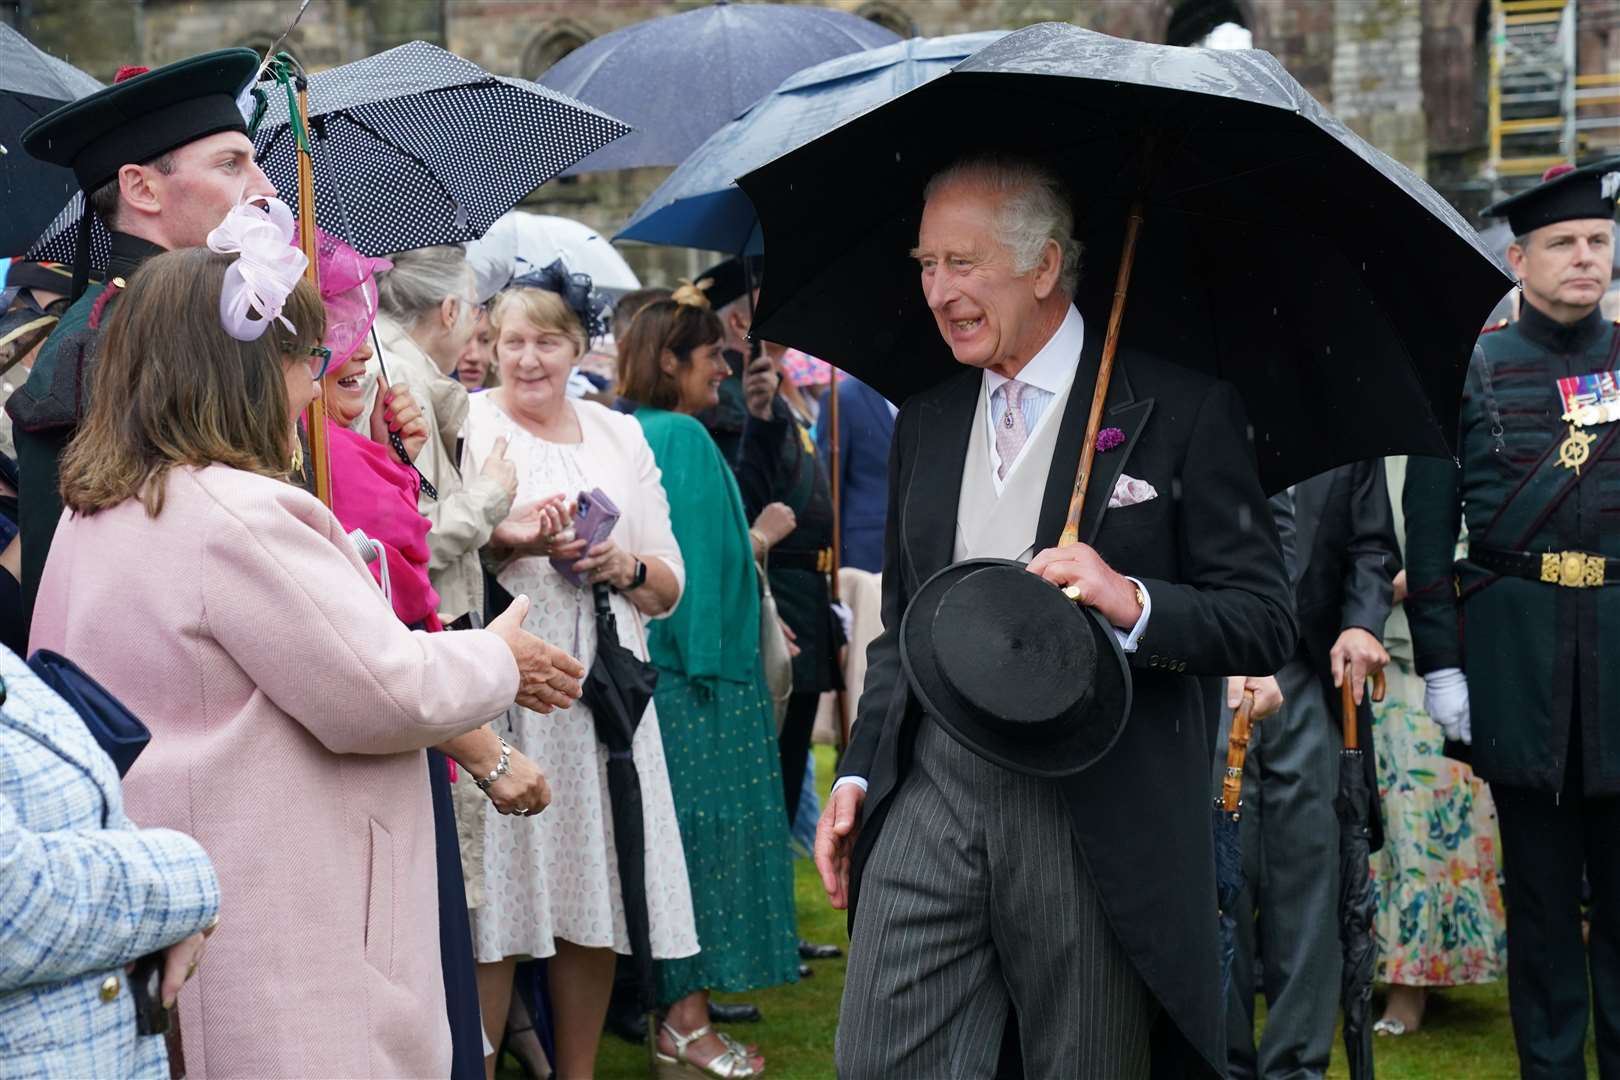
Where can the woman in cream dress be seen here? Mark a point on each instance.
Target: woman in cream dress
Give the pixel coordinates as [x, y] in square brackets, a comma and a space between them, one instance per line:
[551, 884]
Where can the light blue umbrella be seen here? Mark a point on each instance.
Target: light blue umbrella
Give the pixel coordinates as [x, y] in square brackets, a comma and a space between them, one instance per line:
[699, 206]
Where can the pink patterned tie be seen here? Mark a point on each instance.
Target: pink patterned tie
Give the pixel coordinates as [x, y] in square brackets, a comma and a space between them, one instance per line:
[1011, 434]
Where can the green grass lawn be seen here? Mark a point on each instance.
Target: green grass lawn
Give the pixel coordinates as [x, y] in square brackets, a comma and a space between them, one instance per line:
[1466, 1035]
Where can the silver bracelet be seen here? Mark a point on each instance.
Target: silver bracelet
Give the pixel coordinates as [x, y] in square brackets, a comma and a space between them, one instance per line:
[501, 769]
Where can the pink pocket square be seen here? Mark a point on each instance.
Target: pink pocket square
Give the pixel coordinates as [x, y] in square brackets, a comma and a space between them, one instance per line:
[1128, 491]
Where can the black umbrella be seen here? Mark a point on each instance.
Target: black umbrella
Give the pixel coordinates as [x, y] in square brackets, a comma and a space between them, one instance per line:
[617, 690]
[32, 83]
[1358, 904]
[1228, 840]
[1278, 249]
[413, 147]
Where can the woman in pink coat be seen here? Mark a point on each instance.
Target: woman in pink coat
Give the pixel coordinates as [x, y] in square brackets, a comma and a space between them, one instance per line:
[288, 707]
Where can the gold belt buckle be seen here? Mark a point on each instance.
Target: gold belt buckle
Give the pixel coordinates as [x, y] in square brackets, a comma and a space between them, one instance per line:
[824, 560]
[1573, 569]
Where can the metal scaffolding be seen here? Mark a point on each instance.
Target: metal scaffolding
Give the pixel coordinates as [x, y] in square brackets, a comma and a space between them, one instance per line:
[1543, 108]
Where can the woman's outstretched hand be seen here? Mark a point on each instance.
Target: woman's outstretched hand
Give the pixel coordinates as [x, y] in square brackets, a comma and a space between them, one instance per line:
[548, 678]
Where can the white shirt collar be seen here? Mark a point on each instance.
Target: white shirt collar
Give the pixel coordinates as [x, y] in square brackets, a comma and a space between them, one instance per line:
[1053, 366]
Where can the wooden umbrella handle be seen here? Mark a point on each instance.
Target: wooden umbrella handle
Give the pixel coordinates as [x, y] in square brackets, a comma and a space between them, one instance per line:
[1237, 751]
[1347, 706]
[1105, 371]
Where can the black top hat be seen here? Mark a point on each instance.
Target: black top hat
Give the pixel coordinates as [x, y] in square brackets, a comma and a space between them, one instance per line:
[1014, 670]
[1565, 194]
[144, 116]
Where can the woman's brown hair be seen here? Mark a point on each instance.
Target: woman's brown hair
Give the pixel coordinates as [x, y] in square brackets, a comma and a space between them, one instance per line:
[545, 311]
[662, 325]
[170, 387]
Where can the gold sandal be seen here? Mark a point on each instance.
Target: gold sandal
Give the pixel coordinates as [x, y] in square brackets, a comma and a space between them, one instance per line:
[732, 1063]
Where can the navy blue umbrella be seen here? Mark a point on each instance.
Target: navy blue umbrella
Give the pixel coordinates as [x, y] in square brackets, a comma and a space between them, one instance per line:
[32, 83]
[699, 205]
[676, 79]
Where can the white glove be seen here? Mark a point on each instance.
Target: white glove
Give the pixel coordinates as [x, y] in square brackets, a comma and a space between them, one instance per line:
[846, 619]
[1445, 699]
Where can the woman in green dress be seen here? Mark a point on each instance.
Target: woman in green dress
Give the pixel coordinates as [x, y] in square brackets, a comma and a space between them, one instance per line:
[718, 726]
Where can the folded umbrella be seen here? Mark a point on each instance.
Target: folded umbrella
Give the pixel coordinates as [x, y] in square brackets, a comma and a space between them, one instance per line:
[616, 690]
[32, 83]
[678, 78]
[1336, 290]
[1358, 903]
[1228, 839]
[412, 147]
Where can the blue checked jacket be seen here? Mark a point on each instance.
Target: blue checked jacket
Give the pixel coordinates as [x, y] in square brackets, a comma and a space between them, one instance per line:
[82, 893]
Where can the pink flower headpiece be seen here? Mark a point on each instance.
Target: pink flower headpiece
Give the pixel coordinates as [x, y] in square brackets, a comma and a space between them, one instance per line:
[266, 270]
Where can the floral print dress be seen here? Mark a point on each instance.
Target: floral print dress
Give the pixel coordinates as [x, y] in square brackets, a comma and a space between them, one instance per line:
[1441, 920]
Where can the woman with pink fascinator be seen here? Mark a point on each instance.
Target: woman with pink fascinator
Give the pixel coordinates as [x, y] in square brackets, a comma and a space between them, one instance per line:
[375, 490]
[288, 707]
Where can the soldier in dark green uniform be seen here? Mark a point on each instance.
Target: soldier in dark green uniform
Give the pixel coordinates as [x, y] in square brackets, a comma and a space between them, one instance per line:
[162, 156]
[1519, 641]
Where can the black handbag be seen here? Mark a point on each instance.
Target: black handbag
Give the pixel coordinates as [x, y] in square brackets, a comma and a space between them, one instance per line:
[114, 727]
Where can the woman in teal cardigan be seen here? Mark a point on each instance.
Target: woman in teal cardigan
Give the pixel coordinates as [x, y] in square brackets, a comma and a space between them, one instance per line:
[718, 726]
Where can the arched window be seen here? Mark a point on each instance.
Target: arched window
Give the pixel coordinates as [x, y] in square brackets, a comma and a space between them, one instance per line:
[1214, 24]
[551, 44]
[889, 17]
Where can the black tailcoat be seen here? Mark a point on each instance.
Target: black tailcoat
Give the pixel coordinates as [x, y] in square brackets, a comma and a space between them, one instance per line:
[1209, 555]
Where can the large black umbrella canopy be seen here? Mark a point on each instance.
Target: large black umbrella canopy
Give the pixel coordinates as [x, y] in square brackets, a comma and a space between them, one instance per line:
[678, 78]
[32, 83]
[616, 690]
[412, 147]
[1280, 251]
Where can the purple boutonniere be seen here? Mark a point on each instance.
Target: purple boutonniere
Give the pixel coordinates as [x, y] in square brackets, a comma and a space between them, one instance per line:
[1108, 438]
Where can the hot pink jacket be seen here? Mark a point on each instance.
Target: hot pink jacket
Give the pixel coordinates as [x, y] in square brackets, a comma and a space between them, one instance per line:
[288, 709]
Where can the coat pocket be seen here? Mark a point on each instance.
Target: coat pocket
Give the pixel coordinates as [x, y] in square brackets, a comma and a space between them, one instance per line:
[380, 902]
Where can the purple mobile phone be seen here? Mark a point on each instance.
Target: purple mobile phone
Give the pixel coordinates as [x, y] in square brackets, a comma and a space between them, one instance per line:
[593, 522]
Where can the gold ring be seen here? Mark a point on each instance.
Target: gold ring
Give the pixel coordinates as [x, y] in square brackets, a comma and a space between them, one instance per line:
[191, 969]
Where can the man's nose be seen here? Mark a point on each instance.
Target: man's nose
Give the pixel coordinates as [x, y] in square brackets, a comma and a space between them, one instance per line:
[936, 290]
[261, 187]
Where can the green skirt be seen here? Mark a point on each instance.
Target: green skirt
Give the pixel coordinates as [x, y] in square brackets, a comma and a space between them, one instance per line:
[720, 747]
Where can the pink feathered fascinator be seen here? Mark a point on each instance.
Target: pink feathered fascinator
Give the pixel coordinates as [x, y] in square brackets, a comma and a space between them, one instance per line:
[349, 291]
[266, 269]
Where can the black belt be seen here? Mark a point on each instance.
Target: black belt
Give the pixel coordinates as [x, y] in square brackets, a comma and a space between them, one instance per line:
[818, 561]
[1570, 569]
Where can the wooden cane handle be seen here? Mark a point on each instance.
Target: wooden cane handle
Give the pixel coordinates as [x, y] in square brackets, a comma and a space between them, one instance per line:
[1347, 693]
[1237, 751]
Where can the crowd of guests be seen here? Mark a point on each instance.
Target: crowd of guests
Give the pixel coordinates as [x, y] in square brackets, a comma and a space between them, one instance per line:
[458, 459]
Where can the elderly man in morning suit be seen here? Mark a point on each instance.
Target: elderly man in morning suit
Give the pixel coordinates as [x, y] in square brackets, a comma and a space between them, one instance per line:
[1085, 906]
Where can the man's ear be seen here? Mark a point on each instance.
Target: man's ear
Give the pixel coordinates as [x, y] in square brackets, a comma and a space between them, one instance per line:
[137, 189]
[1048, 269]
[1516, 257]
[737, 324]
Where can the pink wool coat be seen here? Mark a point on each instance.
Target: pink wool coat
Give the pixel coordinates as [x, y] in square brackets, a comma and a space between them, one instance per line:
[288, 710]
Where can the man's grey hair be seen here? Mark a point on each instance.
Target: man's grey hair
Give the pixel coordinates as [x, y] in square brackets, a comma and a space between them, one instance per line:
[1034, 207]
[421, 279]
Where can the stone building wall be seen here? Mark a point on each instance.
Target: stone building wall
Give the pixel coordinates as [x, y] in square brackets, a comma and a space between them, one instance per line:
[1377, 89]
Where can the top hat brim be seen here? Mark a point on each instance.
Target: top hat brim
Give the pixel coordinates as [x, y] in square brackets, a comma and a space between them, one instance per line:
[1083, 739]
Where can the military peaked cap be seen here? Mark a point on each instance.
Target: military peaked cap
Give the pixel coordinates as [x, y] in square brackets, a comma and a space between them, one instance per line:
[144, 116]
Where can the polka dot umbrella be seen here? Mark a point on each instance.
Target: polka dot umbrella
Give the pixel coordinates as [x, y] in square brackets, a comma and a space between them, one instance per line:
[412, 147]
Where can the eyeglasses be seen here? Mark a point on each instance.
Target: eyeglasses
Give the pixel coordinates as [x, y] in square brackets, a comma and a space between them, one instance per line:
[320, 358]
